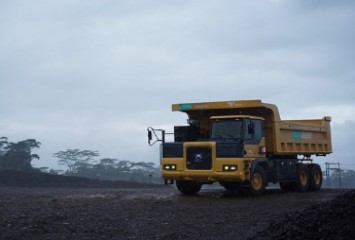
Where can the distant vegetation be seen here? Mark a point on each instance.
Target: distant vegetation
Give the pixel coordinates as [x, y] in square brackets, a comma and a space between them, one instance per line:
[17, 156]
[81, 163]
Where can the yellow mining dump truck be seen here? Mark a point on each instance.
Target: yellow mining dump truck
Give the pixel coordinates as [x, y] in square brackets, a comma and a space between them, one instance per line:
[243, 145]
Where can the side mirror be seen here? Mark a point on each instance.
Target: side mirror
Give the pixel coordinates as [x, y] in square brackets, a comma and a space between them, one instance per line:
[150, 137]
[152, 131]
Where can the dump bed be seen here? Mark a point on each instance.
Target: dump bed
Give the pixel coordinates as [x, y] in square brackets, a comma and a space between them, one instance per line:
[296, 137]
[301, 137]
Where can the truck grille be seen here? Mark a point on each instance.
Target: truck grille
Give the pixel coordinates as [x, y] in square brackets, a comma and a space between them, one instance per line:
[199, 158]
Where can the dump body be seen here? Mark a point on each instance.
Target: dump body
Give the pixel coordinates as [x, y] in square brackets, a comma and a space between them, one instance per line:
[301, 137]
[295, 137]
[243, 145]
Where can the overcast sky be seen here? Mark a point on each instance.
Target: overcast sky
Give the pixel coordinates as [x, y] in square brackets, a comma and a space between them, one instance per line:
[94, 74]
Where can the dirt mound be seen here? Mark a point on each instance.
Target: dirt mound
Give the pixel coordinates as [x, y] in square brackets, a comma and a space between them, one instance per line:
[10, 178]
[329, 220]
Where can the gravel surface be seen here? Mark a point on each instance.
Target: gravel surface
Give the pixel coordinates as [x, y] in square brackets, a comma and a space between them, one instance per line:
[43, 206]
[157, 213]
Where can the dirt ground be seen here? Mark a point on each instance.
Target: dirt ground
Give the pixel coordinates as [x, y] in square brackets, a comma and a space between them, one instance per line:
[93, 213]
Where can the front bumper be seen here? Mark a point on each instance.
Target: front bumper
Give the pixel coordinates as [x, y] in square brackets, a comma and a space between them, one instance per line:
[220, 170]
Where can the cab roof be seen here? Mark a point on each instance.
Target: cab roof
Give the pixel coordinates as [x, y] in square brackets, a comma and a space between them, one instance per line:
[234, 107]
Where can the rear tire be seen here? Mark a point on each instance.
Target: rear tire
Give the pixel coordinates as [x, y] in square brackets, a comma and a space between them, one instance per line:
[303, 178]
[188, 187]
[316, 177]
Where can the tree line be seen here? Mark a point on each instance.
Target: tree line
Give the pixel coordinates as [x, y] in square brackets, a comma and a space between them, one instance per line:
[82, 163]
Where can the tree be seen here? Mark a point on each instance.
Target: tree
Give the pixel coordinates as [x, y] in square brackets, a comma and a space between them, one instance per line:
[105, 169]
[144, 167]
[3, 144]
[124, 166]
[17, 156]
[144, 171]
[107, 163]
[75, 159]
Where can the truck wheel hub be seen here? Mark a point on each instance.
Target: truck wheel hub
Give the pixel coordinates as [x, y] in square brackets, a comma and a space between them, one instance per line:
[317, 177]
[257, 182]
[303, 178]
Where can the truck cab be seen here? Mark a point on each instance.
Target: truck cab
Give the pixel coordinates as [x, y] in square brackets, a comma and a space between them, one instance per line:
[247, 130]
[222, 152]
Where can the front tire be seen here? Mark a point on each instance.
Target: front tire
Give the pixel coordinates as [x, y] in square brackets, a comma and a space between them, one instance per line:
[188, 187]
[257, 182]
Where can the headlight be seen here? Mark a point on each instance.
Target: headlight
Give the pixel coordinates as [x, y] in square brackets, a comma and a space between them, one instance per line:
[230, 168]
[169, 167]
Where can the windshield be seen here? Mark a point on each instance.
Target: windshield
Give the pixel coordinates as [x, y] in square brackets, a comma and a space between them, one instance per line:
[227, 129]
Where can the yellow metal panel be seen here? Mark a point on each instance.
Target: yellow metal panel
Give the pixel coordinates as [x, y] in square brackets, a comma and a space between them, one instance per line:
[216, 105]
[228, 161]
[304, 137]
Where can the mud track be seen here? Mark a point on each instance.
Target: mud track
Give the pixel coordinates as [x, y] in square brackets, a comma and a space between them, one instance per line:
[90, 213]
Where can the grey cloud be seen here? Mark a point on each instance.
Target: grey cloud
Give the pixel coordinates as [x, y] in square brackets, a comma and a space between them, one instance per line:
[110, 68]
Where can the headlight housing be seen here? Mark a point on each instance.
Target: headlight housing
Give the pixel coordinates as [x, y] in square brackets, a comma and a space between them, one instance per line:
[169, 167]
[230, 168]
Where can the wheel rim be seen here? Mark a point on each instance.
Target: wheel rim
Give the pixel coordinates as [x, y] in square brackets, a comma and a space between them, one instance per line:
[257, 182]
[303, 178]
[317, 177]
